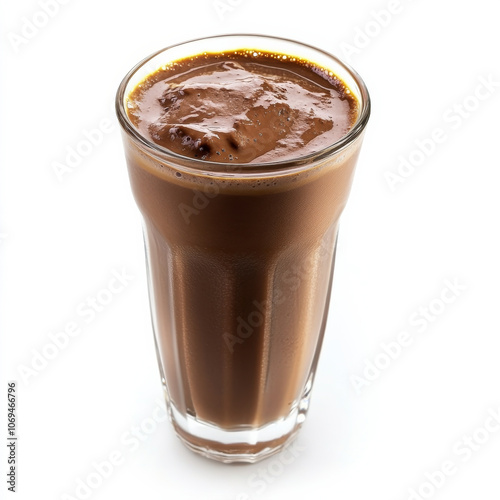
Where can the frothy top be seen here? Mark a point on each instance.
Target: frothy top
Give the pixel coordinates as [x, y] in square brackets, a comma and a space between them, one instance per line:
[242, 107]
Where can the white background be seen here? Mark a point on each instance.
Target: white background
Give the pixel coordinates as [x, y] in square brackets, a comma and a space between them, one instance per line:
[62, 239]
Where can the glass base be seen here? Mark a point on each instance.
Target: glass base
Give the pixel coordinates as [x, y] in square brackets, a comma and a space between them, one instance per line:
[246, 444]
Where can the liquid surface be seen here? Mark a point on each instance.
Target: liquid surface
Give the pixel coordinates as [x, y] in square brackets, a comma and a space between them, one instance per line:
[242, 107]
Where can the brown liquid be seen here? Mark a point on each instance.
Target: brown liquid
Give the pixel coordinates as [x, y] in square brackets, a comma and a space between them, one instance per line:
[240, 268]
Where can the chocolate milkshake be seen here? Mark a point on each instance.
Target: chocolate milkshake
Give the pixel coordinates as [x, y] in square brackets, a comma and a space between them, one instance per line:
[241, 162]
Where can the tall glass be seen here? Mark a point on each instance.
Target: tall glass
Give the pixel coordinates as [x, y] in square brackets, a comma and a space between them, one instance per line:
[240, 263]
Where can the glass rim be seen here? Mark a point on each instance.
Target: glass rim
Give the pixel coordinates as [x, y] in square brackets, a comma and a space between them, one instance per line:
[211, 167]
